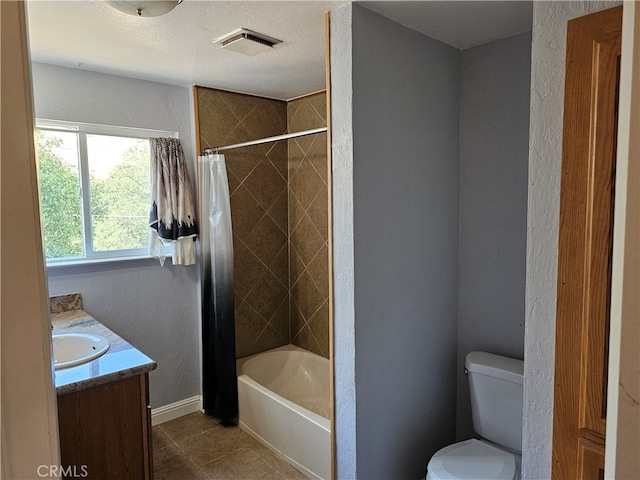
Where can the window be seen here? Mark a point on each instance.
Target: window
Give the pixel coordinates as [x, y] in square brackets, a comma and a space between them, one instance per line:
[94, 190]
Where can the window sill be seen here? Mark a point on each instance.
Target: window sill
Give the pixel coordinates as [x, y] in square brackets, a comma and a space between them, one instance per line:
[100, 260]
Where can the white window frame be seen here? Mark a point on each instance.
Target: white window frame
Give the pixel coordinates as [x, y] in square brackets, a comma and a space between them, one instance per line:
[82, 130]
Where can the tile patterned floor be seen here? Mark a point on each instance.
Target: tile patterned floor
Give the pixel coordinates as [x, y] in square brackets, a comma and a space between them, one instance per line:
[196, 447]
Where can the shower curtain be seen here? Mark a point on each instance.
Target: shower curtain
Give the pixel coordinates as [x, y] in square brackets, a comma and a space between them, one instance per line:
[172, 218]
[220, 388]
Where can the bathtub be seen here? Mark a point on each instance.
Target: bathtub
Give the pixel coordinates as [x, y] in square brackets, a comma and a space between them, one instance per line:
[283, 396]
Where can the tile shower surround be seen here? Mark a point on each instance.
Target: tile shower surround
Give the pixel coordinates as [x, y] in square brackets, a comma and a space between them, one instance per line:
[308, 226]
[279, 213]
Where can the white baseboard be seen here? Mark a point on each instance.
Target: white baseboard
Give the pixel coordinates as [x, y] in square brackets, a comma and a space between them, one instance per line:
[177, 409]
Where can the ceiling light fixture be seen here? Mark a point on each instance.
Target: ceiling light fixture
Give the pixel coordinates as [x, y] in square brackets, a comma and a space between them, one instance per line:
[144, 8]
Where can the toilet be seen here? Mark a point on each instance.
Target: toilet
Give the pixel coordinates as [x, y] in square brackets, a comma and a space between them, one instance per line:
[495, 383]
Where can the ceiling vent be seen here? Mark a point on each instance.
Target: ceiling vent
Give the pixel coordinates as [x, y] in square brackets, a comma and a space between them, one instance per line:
[247, 42]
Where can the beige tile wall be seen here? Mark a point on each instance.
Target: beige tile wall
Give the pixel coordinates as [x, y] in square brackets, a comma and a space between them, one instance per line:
[308, 217]
[279, 214]
[258, 187]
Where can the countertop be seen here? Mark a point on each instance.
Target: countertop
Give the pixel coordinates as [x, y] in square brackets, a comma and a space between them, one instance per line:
[122, 360]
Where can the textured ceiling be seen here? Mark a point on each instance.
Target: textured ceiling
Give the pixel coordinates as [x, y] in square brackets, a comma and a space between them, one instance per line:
[178, 48]
[461, 24]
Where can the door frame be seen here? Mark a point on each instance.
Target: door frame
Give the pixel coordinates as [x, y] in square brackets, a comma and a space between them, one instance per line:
[623, 409]
[30, 445]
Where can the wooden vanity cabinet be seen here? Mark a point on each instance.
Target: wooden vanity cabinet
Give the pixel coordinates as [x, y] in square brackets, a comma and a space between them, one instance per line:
[105, 431]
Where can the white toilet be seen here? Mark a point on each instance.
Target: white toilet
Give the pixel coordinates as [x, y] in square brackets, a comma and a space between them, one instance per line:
[496, 407]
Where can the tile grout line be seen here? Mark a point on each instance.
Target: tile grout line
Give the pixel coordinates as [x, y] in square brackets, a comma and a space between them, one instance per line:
[265, 460]
[185, 438]
[264, 265]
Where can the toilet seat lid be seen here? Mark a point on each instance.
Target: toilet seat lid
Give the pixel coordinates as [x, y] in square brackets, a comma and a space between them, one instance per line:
[472, 460]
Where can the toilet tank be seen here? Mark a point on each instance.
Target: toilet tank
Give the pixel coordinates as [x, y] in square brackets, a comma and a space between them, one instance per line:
[495, 383]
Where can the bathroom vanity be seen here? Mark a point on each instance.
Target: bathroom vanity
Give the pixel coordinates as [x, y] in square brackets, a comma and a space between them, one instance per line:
[104, 415]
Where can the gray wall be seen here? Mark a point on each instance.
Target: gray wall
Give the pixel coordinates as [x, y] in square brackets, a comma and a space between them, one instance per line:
[415, 169]
[494, 140]
[154, 308]
[341, 55]
[406, 192]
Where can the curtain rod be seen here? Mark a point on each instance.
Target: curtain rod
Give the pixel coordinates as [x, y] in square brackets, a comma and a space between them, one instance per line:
[266, 140]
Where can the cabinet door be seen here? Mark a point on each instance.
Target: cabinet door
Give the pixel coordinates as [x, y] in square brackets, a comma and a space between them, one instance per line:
[104, 431]
[147, 443]
[585, 243]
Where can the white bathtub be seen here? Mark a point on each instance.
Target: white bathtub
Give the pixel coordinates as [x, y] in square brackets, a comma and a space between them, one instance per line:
[284, 403]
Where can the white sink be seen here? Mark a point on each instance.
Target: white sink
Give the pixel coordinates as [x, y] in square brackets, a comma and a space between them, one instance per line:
[71, 349]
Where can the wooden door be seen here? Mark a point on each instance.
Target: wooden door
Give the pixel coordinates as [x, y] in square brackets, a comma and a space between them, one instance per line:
[585, 244]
